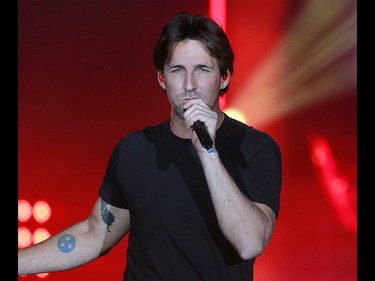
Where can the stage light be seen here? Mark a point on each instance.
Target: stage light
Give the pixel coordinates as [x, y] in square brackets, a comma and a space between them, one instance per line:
[42, 275]
[41, 211]
[24, 210]
[40, 234]
[24, 237]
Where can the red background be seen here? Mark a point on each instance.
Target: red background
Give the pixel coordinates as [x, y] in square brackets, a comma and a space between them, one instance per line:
[86, 78]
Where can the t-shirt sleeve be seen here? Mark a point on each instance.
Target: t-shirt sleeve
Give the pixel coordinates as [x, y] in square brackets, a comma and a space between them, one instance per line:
[110, 189]
[261, 172]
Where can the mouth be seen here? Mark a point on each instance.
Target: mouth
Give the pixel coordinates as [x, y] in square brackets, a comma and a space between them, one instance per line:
[186, 100]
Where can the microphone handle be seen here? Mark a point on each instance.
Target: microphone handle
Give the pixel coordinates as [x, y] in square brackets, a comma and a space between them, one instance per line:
[203, 135]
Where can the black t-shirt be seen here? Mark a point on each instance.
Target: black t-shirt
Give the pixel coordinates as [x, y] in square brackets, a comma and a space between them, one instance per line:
[174, 233]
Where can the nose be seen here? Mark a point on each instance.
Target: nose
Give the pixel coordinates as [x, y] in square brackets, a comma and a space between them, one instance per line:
[190, 82]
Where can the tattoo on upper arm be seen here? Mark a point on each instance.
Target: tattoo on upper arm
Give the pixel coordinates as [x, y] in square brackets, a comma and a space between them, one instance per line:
[66, 243]
[107, 216]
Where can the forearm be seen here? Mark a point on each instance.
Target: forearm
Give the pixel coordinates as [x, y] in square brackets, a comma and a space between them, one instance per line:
[55, 255]
[244, 223]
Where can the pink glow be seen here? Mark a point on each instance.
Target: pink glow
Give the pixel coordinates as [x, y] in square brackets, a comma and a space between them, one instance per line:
[336, 185]
[218, 11]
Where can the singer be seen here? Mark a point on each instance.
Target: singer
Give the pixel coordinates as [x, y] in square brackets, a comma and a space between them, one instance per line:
[191, 213]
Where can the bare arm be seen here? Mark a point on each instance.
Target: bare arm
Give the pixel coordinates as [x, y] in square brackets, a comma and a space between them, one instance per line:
[77, 244]
[246, 224]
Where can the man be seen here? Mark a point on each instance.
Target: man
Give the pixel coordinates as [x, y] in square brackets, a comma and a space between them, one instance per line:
[192, 212]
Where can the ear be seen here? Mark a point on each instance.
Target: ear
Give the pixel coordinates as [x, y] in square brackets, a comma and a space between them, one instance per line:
[160, 75]
[224, 80]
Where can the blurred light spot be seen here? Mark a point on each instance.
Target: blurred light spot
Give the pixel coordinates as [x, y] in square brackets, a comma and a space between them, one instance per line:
[41, 211]
[40, 235]
[24, 210]
[24, 237]
[42, 275]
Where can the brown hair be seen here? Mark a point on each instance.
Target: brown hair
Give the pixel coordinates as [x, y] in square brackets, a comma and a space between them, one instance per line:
[195, 27]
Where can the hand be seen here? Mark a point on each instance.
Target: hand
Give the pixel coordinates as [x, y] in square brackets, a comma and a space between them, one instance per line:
[196, 109]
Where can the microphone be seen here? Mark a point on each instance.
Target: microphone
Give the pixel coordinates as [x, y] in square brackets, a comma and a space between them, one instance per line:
[203, 135]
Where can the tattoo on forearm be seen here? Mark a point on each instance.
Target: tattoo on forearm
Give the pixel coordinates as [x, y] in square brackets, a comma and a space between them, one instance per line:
[107, 216]
[66, 243]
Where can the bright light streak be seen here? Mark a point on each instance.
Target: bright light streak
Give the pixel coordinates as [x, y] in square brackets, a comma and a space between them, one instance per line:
[335, 185]
[315, 59]
[218, 12]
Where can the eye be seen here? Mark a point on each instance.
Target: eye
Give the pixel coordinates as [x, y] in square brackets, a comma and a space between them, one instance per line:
[176, 69]
[203, 69]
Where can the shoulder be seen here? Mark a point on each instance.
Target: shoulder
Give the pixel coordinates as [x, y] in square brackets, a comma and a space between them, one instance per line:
[237, 128]
[251, 141]
[137, 138]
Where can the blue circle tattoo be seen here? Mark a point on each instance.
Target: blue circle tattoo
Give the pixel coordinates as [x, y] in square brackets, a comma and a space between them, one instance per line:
[66, 243]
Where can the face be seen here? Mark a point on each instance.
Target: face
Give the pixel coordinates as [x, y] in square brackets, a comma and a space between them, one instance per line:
[191, 73]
